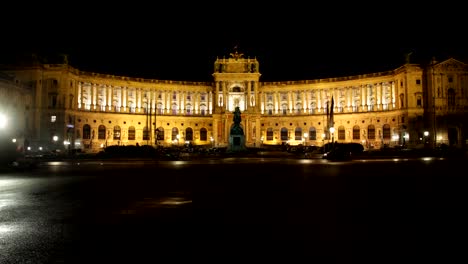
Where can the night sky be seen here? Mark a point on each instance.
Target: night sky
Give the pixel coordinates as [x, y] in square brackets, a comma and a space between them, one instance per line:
[181, 42]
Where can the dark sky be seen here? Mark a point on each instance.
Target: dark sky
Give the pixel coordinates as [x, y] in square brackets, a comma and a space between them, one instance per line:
[291, 41]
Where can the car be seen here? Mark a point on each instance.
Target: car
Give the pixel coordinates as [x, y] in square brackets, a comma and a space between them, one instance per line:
[337, 154]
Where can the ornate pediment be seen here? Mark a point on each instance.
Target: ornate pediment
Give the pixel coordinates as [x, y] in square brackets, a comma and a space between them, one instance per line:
[451, 65]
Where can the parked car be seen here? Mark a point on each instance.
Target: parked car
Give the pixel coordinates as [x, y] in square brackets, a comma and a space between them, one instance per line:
[342, 151]
[337, 154]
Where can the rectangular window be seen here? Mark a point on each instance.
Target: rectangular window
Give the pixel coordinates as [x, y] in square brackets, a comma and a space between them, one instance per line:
[341, 134]
[53, 119]
[146, 134]
[131, 134]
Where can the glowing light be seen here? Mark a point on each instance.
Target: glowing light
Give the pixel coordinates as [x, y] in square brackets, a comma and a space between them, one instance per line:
[3, 121]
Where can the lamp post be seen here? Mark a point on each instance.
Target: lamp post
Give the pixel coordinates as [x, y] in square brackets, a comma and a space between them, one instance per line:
[178, 137]
[426, 137]
[332, 131]
[212, 140]
[305, 138]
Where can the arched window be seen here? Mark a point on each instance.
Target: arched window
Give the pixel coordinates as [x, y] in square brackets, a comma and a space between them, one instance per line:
[356, 134]
[402, 100]
[189, 133]
[101, 132]
[371, 132]
[298, 108]
[312, 108]
[386, 132]
[269, 134]
[270, 109]
[117, 133]
[159, 109]
[203, 134]
[86, 131]
[284, 134]
[160, 134]
[284, 109]
[312, 133]
[298, 134]
[175, 132]
[188, 109]
[131, 133]
[146, 133]
[203, 109]
[341, 133]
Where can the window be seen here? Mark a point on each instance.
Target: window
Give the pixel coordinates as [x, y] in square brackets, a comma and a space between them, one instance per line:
[418, 101]
[53, 119]
[52, 100]
[101, 132]
[341, 133]
[450, 98]
[418, 81]
[160, 135]
[270, 109]
[203, 109]
[189, 134]
[298, 134]
[371, 132]
[174, 134]
[356, 135]
[269, 134]
[312, 133]
[86, 132]
[160, 109]
[284, 134]
[386, 132]
[203, 134]
[146, 135]
[284, 109]
[131, 133]
[116, 133]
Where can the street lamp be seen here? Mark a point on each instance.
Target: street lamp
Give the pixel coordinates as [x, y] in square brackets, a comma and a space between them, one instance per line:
[332, 131]
[426, 137]
[178, 137]
[305, 138]
[212, 140]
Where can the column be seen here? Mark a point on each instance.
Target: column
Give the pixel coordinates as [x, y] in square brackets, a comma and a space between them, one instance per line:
[210, 103]
[225, 102]
[363, 97]
[80, 95]
[93, 96]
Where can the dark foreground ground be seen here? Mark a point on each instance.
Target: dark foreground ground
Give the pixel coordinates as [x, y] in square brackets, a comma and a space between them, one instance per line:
[238, 209]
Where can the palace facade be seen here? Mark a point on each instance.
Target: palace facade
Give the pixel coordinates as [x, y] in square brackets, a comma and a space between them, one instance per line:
[68, 109]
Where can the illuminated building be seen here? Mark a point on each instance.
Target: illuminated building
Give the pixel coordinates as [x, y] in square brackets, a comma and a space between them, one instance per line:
[412, 105]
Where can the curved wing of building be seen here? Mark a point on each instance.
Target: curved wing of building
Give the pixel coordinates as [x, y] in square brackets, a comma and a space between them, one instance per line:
[413, 105]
